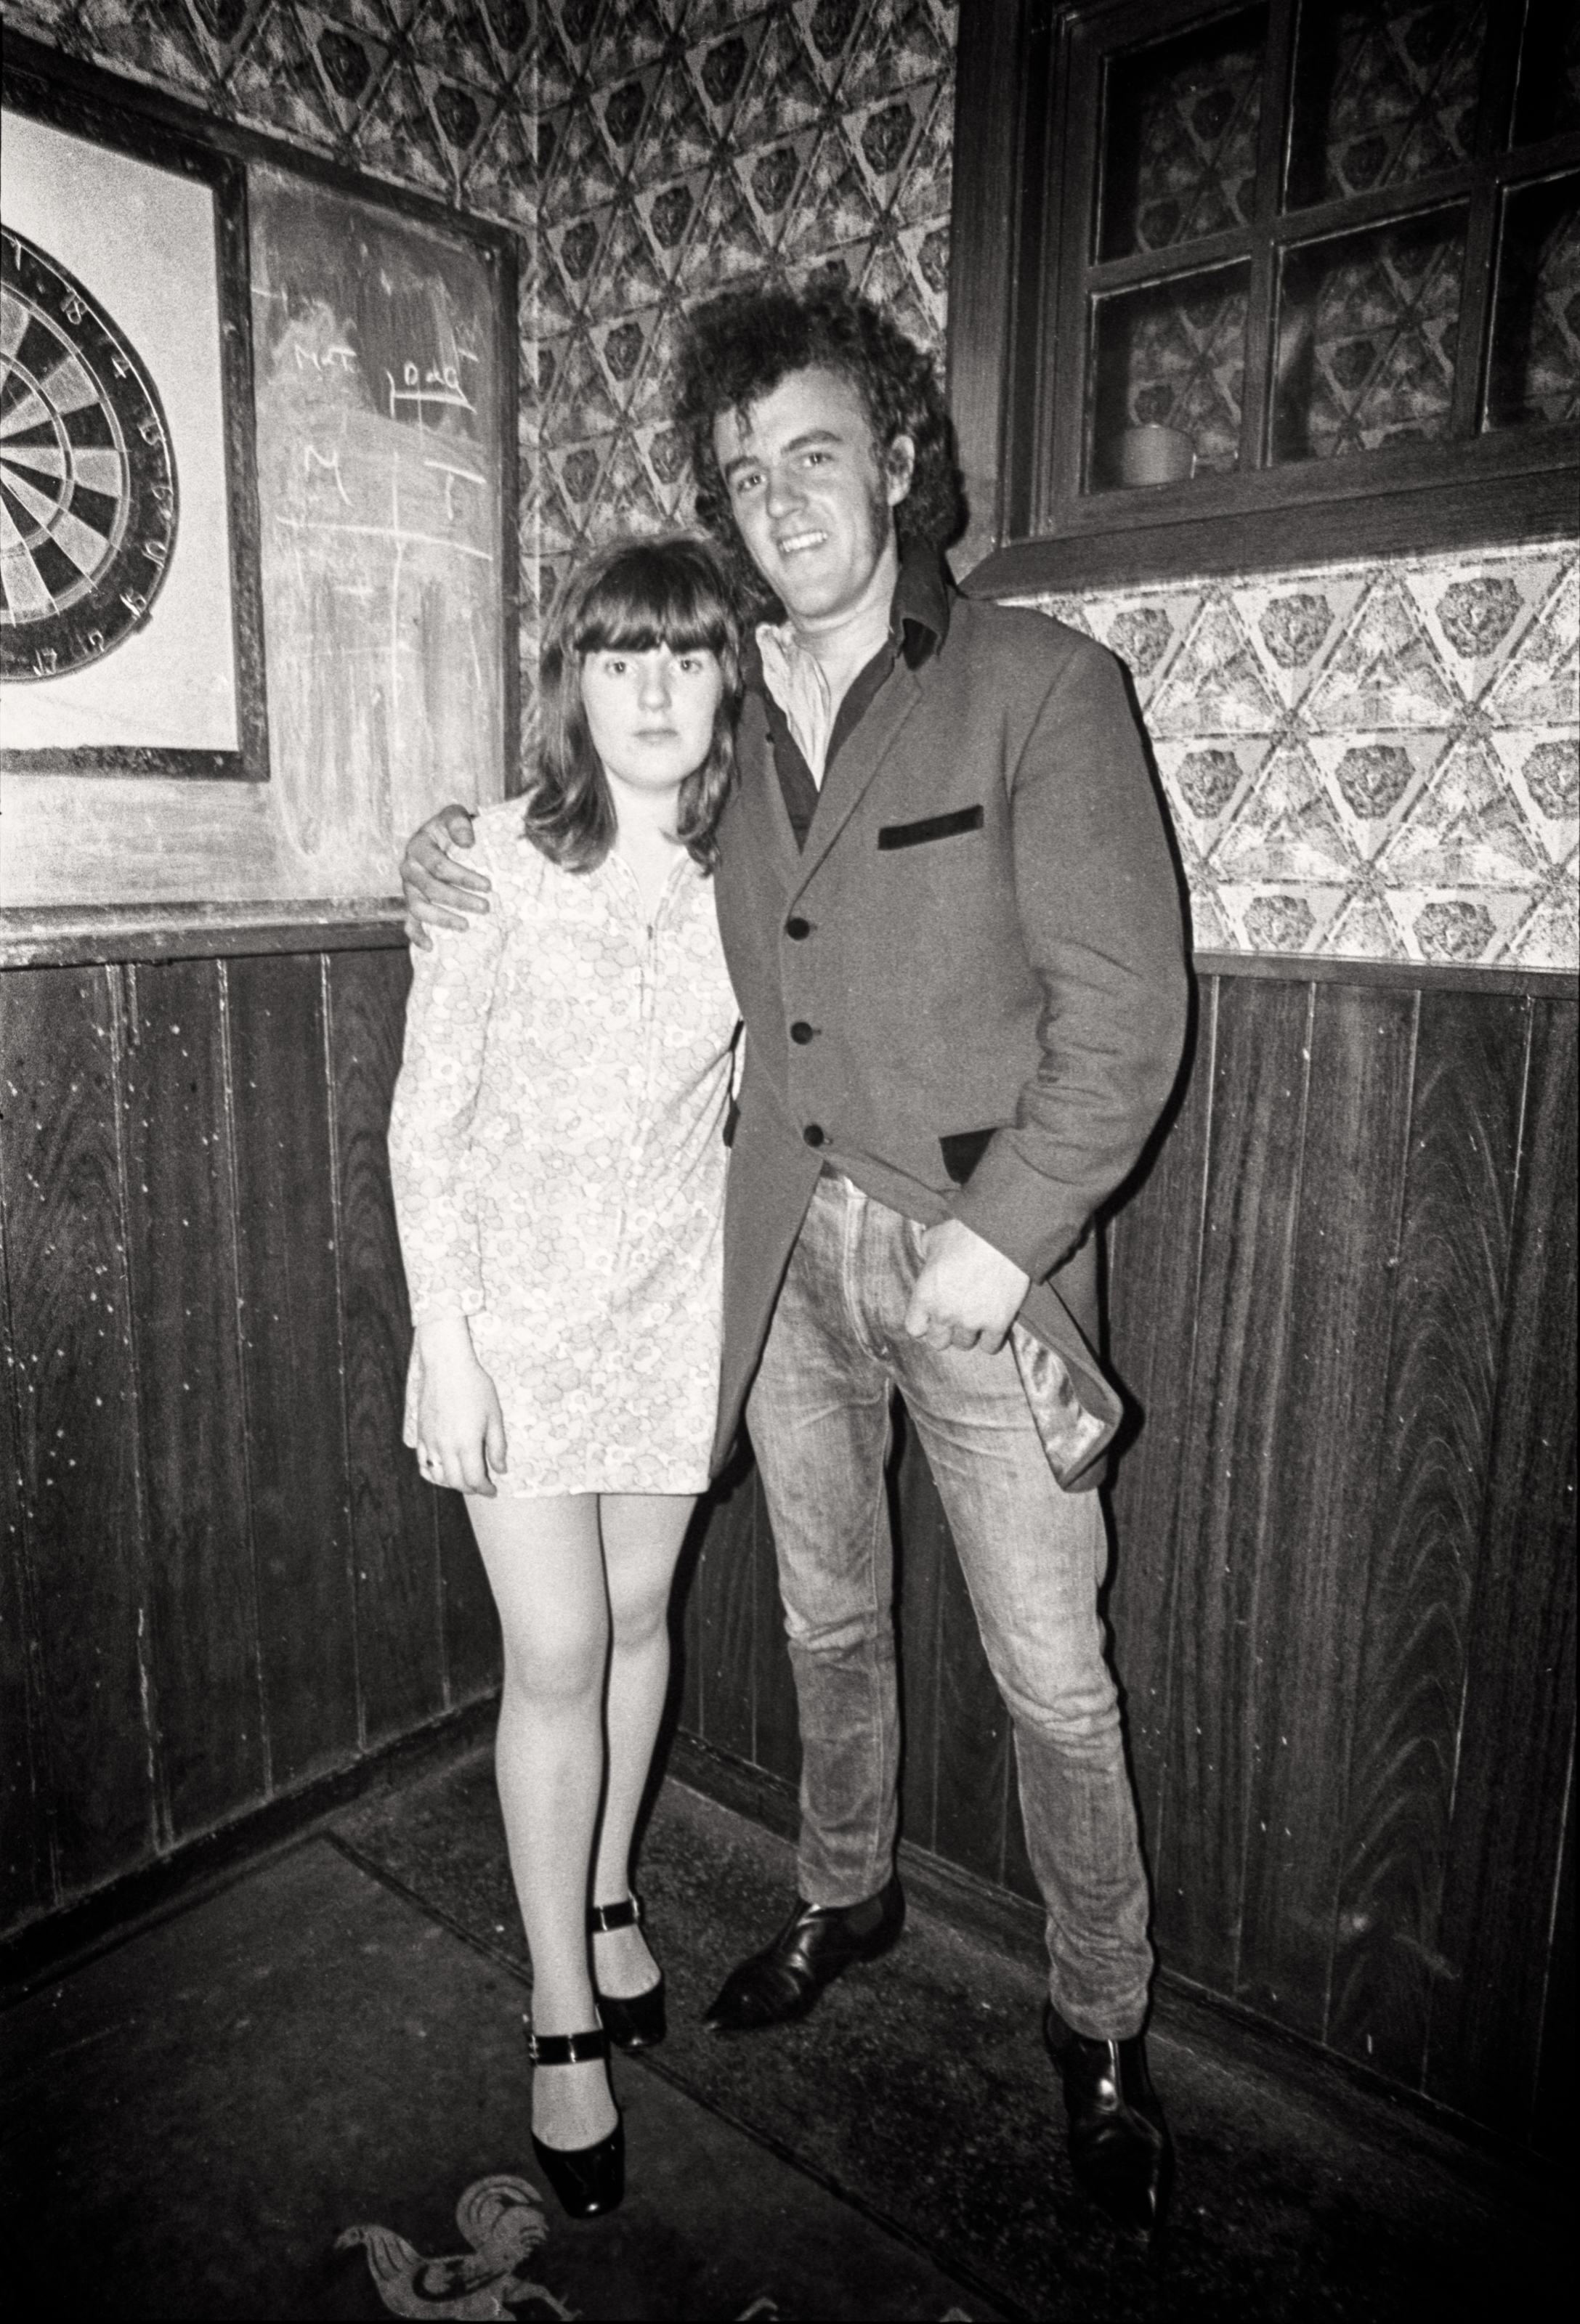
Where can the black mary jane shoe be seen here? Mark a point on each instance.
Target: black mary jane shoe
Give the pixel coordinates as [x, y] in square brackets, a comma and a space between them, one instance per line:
[588, 2180]
[1119, 2144]
[639, 2022]
[779, 1984]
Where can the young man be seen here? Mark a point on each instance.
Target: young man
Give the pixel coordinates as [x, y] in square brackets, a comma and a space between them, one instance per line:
[954, 929]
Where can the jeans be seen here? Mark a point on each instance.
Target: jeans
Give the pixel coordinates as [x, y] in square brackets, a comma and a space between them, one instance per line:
[1033, 1556]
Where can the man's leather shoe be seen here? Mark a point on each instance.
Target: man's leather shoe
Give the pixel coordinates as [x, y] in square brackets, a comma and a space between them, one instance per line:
[815, 1944]
[1118, 2139]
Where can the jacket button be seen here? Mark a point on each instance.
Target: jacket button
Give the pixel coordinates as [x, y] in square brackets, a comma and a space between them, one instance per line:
[798, 927]
[802, 1033]
[813, 1134]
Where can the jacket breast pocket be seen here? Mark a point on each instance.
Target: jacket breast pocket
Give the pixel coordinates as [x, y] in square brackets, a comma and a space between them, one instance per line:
[929, 827]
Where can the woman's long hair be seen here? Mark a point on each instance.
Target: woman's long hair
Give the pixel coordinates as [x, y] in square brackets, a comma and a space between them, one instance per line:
[630, 597]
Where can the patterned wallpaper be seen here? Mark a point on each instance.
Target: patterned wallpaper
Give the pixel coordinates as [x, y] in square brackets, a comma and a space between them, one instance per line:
[1374, 762]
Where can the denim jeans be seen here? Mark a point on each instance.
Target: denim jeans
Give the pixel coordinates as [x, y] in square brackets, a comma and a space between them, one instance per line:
[1032, 1558]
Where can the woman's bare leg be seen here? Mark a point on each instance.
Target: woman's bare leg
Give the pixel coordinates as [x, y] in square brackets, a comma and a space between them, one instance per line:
[545, 1565]
[642, 1533]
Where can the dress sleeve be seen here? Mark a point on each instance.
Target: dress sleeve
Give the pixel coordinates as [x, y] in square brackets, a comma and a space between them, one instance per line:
[430, 1120]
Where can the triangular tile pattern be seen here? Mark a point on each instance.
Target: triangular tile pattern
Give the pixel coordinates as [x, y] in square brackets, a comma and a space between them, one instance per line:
[1369, 761]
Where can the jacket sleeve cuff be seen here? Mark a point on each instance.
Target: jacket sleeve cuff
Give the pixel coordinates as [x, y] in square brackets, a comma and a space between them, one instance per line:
[1010, 1205]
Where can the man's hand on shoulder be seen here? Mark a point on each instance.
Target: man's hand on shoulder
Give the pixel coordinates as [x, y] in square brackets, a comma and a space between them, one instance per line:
[968, 1293]
[439, 892]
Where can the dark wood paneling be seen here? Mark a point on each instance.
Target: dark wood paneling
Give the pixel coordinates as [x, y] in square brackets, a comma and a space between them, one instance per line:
[400, 1641]
[1155, 1249]
[76, 1404]
[972, 1761]
[1517, 1736]
[686, 1631]
[1017, 1875]
[1553, 2128]
[1320, 1485]
[1342, 1295]
[181, 1253]
[1437, 1426]
[775, 1721]
[471, 1626]
[289, 1306]
[1251, 1191]
[724, 1593]
[26, 1879]
[922, 1550]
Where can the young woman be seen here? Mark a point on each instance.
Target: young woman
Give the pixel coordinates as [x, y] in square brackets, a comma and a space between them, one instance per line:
[557, 1146]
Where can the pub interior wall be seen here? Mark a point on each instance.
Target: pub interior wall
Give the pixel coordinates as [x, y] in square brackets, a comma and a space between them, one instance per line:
[1373, 760]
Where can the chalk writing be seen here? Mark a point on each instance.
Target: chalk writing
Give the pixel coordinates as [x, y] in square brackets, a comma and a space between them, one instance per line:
[337, 358]
[329, 462]
[437, 386]
[452, 477]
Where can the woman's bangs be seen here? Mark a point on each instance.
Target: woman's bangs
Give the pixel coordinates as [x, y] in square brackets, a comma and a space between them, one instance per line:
[636, 611]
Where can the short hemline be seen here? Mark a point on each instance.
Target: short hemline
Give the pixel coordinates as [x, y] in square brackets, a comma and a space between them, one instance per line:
[559, 1489]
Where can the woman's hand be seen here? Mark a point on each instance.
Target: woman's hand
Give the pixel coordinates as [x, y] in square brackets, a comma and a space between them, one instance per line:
[460, 1428]
[438, 891]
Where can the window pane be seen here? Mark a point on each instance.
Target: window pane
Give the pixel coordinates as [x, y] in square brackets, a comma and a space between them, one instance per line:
[1180, 136]
[1366, 335]
[1386, 91]
[1550, 73]
[1167, 379]
[1535, 374]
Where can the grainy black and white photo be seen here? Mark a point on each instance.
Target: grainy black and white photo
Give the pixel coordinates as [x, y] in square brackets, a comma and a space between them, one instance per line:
[790, 971]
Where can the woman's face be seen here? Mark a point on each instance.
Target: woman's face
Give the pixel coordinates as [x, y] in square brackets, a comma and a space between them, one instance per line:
[651, 715]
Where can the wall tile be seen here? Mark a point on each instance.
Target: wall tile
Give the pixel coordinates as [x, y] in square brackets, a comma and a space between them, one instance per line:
[1369, 761]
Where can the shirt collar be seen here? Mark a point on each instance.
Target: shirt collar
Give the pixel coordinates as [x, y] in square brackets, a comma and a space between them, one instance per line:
[918, 617]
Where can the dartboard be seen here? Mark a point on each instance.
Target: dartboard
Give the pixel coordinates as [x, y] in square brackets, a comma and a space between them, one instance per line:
[87, 477]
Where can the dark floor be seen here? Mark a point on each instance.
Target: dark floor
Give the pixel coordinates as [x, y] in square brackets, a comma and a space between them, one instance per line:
[193, 2119]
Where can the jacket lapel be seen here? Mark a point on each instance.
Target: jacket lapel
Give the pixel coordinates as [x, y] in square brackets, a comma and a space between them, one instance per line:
[767, 818]
[858, 762]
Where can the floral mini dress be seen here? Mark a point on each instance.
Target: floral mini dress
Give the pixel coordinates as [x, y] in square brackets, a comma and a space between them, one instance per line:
[557, 1150]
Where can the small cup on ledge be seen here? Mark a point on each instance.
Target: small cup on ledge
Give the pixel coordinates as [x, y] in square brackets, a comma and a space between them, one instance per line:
[1155, 456]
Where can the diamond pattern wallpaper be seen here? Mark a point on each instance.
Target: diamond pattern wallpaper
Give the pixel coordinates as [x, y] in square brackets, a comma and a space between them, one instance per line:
[1367, 761]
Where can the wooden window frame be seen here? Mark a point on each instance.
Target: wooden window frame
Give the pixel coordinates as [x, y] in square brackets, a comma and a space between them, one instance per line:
[1022, 271]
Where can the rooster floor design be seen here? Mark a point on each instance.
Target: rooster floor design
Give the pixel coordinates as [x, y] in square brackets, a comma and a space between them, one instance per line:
[501, 2218]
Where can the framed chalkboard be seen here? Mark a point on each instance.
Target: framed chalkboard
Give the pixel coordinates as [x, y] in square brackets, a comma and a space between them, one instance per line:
[380, 417]
[131, 637]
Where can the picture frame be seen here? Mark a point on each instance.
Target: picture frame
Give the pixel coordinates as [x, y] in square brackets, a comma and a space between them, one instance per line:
[132, 624]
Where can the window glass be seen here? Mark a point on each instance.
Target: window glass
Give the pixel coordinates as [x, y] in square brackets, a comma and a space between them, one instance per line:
[1167, 379]
[1386, 91]
[1367, 323]
[1181, 122]
[1535, 374]
[1550, 73]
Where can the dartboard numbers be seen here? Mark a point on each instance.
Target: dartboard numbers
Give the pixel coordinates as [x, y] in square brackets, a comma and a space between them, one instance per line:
[88, 475]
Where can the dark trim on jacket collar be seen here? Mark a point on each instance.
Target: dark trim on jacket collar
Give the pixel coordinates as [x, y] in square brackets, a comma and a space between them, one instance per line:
[918, 617]
[920, 621]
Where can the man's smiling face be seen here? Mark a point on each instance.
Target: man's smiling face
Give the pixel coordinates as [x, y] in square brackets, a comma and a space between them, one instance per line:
[809, 493]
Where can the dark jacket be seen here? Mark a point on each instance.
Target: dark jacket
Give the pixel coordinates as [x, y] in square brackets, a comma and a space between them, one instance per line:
[975, 970]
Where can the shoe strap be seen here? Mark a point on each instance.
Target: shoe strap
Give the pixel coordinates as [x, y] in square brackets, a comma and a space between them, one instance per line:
[566, 2049]
[625, 1915]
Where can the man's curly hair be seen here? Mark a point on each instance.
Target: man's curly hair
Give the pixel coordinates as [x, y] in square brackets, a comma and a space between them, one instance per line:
[737, 348]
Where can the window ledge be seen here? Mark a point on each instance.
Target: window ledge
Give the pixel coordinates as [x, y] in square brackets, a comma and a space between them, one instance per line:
[1410, 521]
